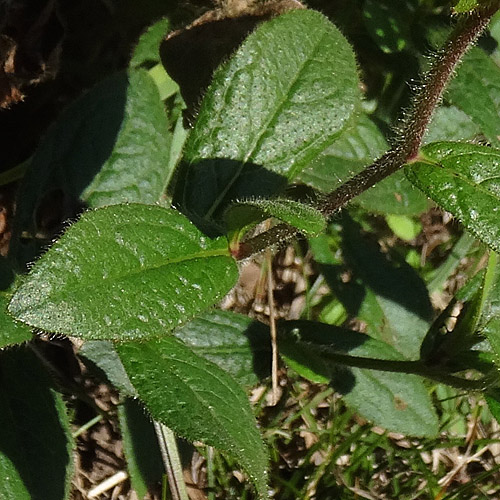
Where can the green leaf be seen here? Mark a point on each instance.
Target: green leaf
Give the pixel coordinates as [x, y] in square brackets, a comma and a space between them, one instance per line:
[451, 124]
[356, 148]
[465, 6]
[125, 272]
[197, 400]
[11, 332]
[109, 146]
[36, 449]
[137, 170]
[140, 446]
[147, 49]
[476, 91]
[104, 358]
[395, 401]
[234, 342]
[285, 95]
[307, 219]
[393, 299]
[403, 227]
[383, 291]
[388, 22]
[464, 179]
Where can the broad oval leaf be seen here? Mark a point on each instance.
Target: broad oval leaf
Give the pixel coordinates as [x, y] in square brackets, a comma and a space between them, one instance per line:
[395, 401]
[36, 448]
[197, 400]
[464, 179]
[124, 272]
[287, 93]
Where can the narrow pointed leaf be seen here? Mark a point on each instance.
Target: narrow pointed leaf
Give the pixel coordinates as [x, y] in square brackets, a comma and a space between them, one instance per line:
[395, 401]
[124, 272]
[197, 400]
[464, 179]
[287, 93]
[36, 447]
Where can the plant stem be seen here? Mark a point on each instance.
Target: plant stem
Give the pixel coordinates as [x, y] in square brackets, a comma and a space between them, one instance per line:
[402, 366]
[172, 461]
[413, 126]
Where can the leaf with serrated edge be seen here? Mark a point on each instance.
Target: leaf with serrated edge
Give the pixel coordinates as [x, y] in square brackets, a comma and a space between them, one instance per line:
[464, 179]
[197, 400]
[124, 272]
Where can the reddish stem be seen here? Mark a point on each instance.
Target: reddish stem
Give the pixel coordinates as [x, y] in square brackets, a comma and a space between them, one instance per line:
[407, 143]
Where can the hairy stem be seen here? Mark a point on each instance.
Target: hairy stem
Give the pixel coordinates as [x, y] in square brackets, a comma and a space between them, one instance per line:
[407, 142]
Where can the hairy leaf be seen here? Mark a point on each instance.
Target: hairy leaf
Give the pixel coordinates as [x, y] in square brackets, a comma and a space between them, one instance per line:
[197, 400]
[286, 94]
[307, 219]
[124, 272]
[109, 146]
[465, 180]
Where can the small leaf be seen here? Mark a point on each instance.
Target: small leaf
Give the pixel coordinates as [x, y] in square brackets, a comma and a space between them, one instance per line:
[124, 272]
[388, 22]
[36, 449]
[140, 446]
[287, 93]
[234, 342]
[464, 179]
[476, 90]
[395, 401]
[356, 148]
[307, 219]
[147, 50]
[197, 400]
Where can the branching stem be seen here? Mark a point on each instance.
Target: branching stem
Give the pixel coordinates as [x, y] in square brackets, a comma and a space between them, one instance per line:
[413, 126]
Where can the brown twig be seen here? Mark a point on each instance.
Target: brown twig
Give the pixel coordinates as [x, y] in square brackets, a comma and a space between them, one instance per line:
[407, 143]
